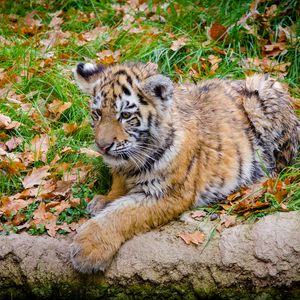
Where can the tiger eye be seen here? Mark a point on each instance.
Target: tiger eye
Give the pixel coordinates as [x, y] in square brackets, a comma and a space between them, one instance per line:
[126, 115]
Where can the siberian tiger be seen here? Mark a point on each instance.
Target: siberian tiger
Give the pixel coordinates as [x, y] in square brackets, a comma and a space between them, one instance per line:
[173, 147]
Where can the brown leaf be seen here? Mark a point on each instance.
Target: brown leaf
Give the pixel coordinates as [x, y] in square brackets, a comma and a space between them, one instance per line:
[7, 123]
[18, 219]
[217, 31]
[195, 238]
[56, 22]
[214, 60]
[177, 44]
[55, 38]
[35, 177]
[9, 206]
[93, 34]
[77, 174]
[61, 207]
[63, 188]
[108, 57]
[69, 128]
[57, 107]
[89, 152]
[12, 167]
[274, 49]
[198, 214]
[40, 146]
[55, 160]
[228, 220]
[74, 202]
[13, 143]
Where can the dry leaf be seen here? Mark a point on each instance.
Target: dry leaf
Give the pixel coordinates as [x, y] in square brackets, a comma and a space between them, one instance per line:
[35, 177]
[198, 214]
[93, 34]
[63, 188]
[12, 167]
[214, 60]
[13, 143]
[7, 123]
[89, 152]
[181, 42]
[195, 238]
[217, 31]
[108, 57]
[74, 202]
[70, 127]
[56, 22]
[228, 220]
[77, 174]
[57, 107]
[40, 147]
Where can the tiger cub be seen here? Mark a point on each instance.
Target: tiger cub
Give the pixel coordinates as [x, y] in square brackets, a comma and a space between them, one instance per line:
[173, 147]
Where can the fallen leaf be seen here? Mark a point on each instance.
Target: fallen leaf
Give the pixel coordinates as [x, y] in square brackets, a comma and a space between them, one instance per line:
[40, 146]
[57, 107]
[35, 177]
[61, 207]
[69, 128]
[10, 207]
[228, 220]
[56, 22]
[13, 143]
[177, 44]
[108, 57]
[89, 152]
[12, 167]
[274, 49]
[77, 174]
[198, 214]
[217, 31]
[195, 238]
[7, 123]
[93, 34]
[63, 188]
[214, 61]
[74, 202]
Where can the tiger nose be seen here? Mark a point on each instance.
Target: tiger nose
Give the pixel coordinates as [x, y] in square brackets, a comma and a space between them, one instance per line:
[104, 147]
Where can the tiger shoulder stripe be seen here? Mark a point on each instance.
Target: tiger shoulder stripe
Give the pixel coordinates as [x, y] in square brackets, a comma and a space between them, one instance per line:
[172, 147]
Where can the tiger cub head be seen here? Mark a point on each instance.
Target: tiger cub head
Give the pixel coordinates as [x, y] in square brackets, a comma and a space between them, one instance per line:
[130, 109]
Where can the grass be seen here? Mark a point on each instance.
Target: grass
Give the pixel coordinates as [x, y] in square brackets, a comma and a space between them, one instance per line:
[41, 76]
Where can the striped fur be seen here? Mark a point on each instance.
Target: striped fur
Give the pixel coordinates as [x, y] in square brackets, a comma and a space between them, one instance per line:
[173, 147]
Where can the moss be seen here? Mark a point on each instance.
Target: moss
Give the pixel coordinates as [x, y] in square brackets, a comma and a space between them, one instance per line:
[144, 291]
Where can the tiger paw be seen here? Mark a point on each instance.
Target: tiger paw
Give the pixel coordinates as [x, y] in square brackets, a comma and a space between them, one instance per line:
[97, 204]
[93, 247]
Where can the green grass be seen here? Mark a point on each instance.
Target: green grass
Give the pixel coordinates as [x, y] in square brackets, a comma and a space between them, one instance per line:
[49, 75]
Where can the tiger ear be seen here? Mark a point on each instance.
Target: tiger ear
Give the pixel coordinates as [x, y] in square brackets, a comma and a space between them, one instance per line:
[159, 87]
[86, 75]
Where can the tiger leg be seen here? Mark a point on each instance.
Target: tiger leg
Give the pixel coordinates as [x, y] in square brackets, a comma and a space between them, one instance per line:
[118, 189]
[99, 239]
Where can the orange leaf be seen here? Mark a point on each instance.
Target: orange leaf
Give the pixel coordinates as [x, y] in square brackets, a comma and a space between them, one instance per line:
[217, 31]
[228, 220]
[195, 238]
[35, 177]
[70, 127]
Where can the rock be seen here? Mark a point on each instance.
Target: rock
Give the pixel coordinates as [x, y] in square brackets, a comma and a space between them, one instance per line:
[257, 261]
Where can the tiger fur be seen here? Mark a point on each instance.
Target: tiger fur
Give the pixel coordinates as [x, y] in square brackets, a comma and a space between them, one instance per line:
[173, 147]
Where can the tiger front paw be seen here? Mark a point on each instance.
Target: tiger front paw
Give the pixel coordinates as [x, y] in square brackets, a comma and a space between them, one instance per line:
[97, 204]
[94, 246]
